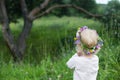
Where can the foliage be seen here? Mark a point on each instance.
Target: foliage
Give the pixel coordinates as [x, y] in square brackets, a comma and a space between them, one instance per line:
[101, 8]
[14, 9]
[111, 19]
[114, 6]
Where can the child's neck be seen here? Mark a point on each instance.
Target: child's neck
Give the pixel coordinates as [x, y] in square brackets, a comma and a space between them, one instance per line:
[89, 55]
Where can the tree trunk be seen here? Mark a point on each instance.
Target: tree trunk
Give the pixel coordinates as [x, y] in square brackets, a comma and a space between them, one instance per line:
[25, 32]
[8, 35]
[17, 49]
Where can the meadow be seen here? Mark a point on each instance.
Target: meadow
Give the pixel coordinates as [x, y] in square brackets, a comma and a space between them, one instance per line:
[50, 45]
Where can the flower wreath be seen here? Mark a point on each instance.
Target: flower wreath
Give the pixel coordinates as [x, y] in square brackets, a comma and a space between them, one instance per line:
[86, 49]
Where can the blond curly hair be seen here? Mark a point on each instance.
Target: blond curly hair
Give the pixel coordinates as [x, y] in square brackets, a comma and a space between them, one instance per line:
[89, 37]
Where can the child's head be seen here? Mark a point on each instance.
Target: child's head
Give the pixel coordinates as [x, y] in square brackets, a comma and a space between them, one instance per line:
[89, 37]
[87, 40]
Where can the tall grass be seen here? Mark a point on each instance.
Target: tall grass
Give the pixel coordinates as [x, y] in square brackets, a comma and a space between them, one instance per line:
[50, 45]
[49, 35]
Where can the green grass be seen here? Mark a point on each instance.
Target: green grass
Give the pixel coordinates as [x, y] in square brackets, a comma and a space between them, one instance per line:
[50, 45]
[46, 70]
[49, 35]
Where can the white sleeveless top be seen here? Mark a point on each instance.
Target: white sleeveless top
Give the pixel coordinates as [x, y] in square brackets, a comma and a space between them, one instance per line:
[84, 68]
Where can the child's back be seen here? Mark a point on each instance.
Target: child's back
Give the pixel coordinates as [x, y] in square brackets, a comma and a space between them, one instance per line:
[85, 68]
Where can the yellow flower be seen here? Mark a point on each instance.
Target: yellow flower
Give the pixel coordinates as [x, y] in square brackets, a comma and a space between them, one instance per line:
[75, 38]
[91, 51]
[79, 28]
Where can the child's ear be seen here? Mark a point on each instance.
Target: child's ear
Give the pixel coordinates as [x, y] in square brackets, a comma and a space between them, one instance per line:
[80, 53]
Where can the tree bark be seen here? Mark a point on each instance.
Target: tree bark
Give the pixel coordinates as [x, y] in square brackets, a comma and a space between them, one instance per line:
[36, 10]
[26, 28]
[25, 32]
[7, 33]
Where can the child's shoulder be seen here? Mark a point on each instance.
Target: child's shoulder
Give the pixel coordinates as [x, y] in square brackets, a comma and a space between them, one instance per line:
[93, 57]
[96, 57]
[75, 55]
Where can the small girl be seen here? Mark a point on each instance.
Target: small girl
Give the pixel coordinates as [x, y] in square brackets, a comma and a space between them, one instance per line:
[84, 61]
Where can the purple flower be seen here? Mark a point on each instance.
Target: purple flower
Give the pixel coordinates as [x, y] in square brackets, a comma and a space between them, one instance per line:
[77, 41]
[83, 28]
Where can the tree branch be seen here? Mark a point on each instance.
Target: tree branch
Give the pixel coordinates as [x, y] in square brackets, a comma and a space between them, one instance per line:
[86, 12]
[24, 8]
[66, 5]
[39, 8]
